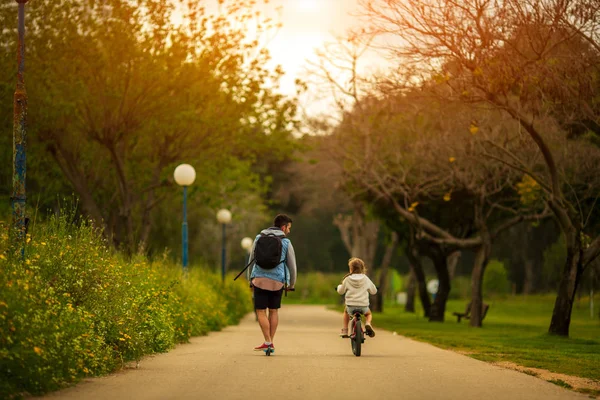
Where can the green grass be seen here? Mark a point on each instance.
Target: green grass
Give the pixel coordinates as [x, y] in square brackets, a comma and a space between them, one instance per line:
[515, 329]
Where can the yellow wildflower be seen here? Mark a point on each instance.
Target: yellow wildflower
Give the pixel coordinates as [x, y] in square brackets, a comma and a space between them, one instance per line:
[37, 350]
[413, 206]
[473, 129]
[447, 196]
[452, 159]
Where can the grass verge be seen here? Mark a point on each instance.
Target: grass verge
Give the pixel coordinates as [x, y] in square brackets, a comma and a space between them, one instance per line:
[515, 329]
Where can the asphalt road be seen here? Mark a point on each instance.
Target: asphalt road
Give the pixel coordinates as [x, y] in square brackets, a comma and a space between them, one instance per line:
[312, 362]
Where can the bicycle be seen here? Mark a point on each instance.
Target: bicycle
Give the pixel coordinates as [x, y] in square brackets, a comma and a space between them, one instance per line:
[357, 333]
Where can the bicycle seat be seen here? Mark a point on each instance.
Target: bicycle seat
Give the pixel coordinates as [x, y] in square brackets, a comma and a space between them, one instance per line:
[356, 311]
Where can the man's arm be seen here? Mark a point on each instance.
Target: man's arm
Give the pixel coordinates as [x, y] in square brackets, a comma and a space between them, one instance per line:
[291, 263]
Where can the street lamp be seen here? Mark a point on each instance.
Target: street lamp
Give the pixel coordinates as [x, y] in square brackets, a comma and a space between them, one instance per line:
[224, 217]
[20, 133]
[184, 175]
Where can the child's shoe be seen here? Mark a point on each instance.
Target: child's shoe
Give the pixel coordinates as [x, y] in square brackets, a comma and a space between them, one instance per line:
[344, 333]
[370, 331]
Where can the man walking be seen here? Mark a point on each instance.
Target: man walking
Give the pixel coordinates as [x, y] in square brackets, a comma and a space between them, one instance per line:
[274, 271]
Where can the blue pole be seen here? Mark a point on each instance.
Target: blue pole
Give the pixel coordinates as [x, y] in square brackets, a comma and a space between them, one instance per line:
[184, 232]
[20, 134]
[223, 257]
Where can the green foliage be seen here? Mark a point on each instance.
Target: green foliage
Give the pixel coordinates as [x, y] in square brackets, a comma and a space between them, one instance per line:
[316, 288]
[461, 288]
[73, 308]
[495, 278]
[119, 95]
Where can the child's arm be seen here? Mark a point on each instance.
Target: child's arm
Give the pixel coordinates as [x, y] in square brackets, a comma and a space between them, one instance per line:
[371, 288]
[341, 288]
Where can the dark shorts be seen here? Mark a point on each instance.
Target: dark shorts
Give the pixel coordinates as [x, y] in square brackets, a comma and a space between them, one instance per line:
[264, 299]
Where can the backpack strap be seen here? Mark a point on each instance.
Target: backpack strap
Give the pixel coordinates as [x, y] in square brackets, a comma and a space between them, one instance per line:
[245, 268]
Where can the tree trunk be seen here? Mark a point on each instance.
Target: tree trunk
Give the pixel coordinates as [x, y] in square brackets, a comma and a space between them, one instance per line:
[377, 300]
[410, 291]
[415, 261]
[358, 235]
[482, 255]
[561, 315]
[439, 258]
[68, 165]
[452, 262]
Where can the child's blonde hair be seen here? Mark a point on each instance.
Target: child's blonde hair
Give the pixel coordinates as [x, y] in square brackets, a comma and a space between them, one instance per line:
[357, 266]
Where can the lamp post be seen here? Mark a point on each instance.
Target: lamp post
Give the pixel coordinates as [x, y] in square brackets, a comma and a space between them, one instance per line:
[224, 217]
[184, 175]
[20, 134]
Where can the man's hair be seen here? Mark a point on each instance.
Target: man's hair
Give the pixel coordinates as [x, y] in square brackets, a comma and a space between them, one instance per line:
[281, 220]
[357, 266]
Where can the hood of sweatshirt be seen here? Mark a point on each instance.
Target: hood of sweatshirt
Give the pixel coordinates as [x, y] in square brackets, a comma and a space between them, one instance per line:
[356, 280]
[273, 231]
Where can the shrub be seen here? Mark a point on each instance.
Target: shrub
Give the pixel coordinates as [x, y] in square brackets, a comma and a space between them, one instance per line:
[495, 279]
[74, 308]
[460, 287]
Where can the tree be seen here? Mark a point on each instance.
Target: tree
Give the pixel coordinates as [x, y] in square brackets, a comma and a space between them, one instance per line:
[402, 146]
[120, 95]
[514, 57]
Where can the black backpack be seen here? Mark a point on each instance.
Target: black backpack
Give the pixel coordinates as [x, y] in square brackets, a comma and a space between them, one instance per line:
[267, 252]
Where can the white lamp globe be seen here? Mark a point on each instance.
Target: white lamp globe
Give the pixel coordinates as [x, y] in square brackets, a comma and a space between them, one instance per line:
[247, 243]
[433, 286]
[184, 175]
[224, 216]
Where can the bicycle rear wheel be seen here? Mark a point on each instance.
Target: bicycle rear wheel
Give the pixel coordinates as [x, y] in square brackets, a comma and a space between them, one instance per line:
[357, 338]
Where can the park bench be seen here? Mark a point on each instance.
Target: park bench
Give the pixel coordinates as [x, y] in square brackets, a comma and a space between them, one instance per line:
[467, 313]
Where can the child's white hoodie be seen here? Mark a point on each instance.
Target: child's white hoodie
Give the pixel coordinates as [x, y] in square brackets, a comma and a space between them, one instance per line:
[357, 287]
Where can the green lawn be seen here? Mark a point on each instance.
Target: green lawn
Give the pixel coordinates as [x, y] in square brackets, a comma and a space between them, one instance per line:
[515, 329]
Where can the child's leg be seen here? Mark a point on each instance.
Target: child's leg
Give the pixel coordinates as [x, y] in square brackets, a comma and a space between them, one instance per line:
[346, 320]
[368, 327]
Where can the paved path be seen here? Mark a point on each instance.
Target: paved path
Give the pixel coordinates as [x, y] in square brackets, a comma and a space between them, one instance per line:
[311, 363]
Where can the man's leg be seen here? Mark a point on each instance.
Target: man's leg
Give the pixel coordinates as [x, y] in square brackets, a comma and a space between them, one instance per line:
[265, 326]
[273, 322]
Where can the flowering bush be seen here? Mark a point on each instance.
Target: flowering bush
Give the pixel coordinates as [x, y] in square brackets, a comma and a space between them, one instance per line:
[71, 307]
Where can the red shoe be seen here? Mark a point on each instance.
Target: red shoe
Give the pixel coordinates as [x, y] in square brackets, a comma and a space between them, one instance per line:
[264, 347]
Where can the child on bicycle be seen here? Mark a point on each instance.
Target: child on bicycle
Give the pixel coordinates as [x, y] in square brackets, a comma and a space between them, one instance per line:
[356, 285]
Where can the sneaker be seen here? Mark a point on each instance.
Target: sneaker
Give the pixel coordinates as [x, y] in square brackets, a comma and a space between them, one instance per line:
[344, 333]
[370, 331]
[264, 347]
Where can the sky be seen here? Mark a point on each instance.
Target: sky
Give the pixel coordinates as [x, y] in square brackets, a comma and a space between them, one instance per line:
[307, 25]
